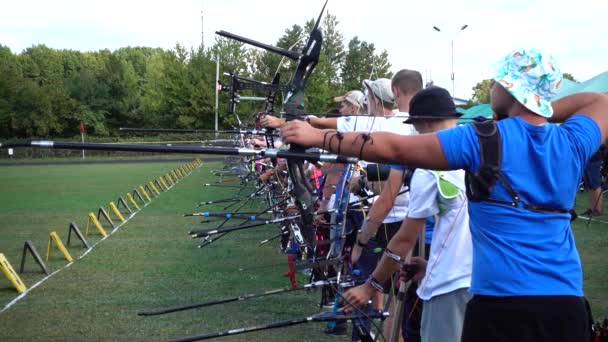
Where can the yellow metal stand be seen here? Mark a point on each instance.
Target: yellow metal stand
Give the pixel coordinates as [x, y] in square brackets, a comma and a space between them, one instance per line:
[10, 273]
[53, 237]
[143, 191]
[116, 211]
[93, 219]
[154, 188]
[130, 198]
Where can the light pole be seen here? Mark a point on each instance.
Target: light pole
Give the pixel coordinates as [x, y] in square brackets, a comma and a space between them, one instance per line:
[452, 47]
[217, 79]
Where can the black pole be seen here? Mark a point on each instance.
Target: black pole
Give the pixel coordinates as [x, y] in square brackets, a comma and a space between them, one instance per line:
[232, 332]
[283, 52]
[323, 317]
[206, 232]
[233, 199]
[237, 215]
[213, 150]
[178, 130]
[238, 298]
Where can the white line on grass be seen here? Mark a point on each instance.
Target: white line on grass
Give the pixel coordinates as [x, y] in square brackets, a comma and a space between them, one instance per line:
[21, 296]
[592, 219]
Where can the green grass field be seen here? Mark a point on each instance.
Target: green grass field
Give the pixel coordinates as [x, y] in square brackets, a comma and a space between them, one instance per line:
[151, 262]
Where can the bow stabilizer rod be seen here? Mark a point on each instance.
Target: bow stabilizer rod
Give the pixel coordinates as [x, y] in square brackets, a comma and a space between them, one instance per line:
[322, 317]
[283, 52]
[313, 285]
[188, 130]
[207, 232]
[213, 150]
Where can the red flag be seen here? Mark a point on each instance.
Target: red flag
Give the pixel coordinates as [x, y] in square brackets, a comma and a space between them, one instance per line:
[81, 127]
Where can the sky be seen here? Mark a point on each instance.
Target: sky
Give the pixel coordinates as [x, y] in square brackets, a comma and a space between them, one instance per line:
[575, 33]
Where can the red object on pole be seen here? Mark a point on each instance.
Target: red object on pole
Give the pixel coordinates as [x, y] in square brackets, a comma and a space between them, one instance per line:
[82, 127]
[291, 273]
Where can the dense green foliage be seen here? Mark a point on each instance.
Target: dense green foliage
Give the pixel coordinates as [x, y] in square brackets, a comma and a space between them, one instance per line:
[46, 92]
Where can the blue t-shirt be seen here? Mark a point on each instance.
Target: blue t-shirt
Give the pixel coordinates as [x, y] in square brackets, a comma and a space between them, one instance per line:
[519, 252]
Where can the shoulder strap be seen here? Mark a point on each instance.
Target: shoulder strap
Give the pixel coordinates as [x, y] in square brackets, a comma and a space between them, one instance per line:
[408, 173]
[489, 144]
[480, 184]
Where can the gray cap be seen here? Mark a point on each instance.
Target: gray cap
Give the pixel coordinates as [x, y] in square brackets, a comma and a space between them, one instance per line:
[354, 97]
[381, 88]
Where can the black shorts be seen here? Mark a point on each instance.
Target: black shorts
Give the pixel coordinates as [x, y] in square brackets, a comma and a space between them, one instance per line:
[526, 319]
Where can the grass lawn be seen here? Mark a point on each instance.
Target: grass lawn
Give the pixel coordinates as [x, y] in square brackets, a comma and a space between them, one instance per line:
[151, 262]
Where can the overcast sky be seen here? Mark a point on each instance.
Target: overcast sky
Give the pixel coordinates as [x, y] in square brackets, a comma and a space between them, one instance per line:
[574, 32]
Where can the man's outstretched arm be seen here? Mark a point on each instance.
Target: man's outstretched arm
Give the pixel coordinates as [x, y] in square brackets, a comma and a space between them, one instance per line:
[413, 150]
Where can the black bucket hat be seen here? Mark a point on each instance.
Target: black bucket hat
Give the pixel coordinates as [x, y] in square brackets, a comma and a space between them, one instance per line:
[432, 103]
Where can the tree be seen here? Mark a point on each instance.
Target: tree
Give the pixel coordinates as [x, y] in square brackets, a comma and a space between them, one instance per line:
[382, 67]
[333, 49]
[267, 63]
[232, 55]
[46, 92]
[201, 73]
[481, 91]
[362, 62]
[11, 75]
[352, 69]
[568, 76]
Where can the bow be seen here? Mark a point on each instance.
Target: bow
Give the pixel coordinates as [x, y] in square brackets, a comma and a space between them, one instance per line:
[294, 106]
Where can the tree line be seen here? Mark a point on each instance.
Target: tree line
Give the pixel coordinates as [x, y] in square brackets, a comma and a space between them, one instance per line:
[46, 92]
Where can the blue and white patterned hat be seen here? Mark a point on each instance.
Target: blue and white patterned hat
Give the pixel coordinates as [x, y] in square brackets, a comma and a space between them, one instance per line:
[531, 78]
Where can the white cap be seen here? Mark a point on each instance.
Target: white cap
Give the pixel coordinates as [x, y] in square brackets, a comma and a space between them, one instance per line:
[354, 97]
[381, 88]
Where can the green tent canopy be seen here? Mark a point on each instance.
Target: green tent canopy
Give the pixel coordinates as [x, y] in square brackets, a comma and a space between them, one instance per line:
[567, 87]
[483, 110]
[598, 83]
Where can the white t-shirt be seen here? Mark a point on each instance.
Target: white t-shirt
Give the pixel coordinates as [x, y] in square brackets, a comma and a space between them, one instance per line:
[450, 260]
[355, 124]
[392, 124]
[358, 123]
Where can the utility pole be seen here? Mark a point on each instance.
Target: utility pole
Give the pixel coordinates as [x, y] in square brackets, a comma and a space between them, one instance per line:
[217, 79]
[452, 53]
[202, 31]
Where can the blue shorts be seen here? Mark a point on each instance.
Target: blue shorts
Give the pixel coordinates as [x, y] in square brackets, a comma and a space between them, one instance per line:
[592, 176]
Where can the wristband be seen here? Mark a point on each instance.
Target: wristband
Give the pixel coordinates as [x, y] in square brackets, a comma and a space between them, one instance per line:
[375, 283]
[389, 254]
